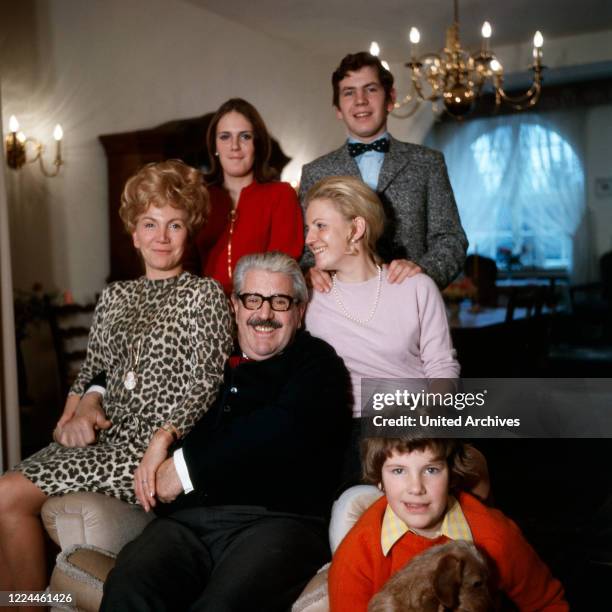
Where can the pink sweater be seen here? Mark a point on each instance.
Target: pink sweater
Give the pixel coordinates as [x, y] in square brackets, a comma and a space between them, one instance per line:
[408, 336]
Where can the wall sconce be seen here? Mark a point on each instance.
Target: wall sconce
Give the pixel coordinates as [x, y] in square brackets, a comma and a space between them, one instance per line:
[16, 143]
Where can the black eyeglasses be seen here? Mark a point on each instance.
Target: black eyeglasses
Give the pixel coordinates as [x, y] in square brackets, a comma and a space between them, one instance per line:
[278, 302]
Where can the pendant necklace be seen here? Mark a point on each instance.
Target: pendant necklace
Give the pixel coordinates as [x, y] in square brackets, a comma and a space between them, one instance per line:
[130, 380]
[343, 309]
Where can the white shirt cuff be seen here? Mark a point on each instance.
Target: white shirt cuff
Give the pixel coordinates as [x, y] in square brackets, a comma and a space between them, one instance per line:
[181, 469]
[95, 389]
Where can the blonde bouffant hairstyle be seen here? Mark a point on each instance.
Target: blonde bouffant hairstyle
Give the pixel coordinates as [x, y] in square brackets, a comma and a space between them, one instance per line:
[159, 184]
[353, 198]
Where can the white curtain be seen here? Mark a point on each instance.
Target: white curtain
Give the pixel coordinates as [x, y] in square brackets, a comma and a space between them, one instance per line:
[520, 184]
[10, 447]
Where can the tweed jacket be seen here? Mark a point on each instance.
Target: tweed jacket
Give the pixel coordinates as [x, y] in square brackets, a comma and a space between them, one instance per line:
[423, 223]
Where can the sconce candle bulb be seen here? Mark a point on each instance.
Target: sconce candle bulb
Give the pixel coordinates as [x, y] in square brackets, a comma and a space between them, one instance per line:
[16, 143]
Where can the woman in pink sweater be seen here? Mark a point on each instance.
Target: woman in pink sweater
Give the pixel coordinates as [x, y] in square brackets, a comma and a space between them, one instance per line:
[380, 329]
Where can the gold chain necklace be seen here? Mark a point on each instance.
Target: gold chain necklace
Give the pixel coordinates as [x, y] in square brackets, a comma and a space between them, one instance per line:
[233, 216]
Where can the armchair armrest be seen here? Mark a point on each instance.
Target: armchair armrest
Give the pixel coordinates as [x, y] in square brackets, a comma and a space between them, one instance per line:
[93, 519]
[345, 513]
[347, 509]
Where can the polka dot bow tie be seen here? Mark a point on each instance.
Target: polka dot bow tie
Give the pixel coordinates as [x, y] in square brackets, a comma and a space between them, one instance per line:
[357, 148]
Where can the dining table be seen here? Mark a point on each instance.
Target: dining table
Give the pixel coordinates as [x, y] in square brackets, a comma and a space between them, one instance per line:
[490, 345]
[469, 316]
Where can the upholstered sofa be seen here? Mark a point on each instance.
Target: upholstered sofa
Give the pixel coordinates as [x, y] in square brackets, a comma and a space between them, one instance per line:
[91, 529]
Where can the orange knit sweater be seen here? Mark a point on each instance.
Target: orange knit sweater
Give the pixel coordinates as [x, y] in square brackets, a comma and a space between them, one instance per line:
[359, 569]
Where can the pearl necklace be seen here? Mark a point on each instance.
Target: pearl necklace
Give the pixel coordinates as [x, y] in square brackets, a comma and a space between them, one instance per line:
[343, 309]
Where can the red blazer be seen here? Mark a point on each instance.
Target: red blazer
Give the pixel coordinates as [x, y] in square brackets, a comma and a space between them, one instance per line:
[268, 218]
[359, 569]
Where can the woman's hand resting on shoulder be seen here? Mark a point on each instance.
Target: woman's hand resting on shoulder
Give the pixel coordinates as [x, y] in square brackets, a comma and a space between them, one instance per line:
[319, 280]
[401, 269]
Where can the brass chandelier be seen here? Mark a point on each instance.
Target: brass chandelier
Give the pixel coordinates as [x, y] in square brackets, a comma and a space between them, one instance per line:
[456, 78]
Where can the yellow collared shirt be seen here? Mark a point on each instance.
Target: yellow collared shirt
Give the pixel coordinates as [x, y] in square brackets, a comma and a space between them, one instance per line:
[454, 526]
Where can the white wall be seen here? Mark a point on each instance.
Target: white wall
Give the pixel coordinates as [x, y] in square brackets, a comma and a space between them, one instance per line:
[105, 66]
[599, 165]
[9, 400]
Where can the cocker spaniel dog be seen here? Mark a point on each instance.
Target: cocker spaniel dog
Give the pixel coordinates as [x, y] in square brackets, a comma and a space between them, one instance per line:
[452, 577]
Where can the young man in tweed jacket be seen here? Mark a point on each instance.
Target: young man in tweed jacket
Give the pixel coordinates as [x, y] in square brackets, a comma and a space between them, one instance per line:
[424, 232]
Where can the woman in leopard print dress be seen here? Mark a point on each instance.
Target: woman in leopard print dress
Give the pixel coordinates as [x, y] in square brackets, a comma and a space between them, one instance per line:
[162, 341]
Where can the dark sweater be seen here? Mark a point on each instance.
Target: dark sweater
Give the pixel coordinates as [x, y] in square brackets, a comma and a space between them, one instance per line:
[276, 434]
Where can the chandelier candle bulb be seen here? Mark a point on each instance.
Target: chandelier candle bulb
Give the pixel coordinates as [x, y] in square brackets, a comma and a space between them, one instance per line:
[13, 124]
[538, 40]
[415, 37]
[486, 34]
[374, 48]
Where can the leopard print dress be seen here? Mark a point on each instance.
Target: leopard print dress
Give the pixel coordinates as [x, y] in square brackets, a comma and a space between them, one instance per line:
[183, 325]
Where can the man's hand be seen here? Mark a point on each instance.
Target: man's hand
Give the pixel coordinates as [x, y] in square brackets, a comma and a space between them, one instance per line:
[145, 474]
[320, 280]
[87, 419]
[401, 269]
[168, 483]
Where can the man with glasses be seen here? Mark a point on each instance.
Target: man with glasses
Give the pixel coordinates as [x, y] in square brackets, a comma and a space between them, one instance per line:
[253, 482]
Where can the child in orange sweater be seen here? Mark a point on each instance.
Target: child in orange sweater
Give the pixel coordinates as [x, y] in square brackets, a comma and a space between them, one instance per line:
[417, 512]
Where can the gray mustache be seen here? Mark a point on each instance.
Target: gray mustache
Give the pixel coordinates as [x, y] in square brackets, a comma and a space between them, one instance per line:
[256, 321]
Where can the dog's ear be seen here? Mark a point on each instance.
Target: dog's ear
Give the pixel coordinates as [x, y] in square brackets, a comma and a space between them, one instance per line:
[447, 580]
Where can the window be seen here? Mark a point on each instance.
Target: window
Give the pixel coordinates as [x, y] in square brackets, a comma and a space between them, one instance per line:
[519, 186]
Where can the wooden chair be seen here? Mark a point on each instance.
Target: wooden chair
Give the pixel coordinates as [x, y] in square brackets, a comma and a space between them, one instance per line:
[70, 326]
[483, 273]
[592, 305]
[531, 297]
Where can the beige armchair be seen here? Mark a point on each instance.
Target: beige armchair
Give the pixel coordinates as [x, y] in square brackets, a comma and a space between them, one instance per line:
[91, 529]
